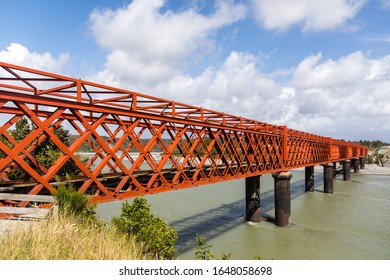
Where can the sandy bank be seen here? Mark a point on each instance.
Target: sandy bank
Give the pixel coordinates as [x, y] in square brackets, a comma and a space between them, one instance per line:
[374, 169]
[7, 225]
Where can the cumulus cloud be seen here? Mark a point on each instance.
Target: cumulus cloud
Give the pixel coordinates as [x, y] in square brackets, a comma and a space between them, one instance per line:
[310, 73]
[338, 98]
[18, 54]
[149, 49]
[350, 91]
[236, 87]
[312, 15]
[148, 45]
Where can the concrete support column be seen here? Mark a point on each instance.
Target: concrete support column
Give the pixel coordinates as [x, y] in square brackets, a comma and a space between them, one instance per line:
[346, 170]
[362, 163]
[328, 178]
[309, 178]
[282, 199]
[355, 163]
[252, 198]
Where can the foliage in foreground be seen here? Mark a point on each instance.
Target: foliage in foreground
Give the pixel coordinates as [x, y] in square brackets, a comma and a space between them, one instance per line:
[74, 234]
[72, 202]
[203, 250]
[65, 238]
[137, 220]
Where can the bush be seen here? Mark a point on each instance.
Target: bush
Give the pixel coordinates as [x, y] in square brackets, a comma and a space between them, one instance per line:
[203, 251]
[70, 201]
[137, 220]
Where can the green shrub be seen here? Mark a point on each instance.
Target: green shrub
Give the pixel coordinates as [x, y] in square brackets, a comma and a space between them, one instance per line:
[137, 220]
[203, 251]
[70, 201]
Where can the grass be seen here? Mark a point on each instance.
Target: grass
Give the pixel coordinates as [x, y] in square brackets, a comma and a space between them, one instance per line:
[66, 238]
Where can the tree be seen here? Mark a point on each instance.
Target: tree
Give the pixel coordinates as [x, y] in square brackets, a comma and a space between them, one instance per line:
[46, 152]
[22, 129]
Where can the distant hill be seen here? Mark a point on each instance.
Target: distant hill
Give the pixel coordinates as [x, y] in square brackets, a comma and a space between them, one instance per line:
[376, 144]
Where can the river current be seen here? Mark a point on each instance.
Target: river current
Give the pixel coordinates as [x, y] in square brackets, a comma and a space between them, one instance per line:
[352, 223]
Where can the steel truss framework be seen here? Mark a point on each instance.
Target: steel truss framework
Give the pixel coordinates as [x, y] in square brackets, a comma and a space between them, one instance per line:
[196, 145]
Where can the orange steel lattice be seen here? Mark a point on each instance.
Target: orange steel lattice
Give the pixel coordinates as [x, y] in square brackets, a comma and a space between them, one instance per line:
[124, 129]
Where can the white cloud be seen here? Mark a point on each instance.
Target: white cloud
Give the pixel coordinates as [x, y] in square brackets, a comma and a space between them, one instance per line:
[235, 87]
[378, 38]
[385, 4]
[310, 73]
[148, 51]
[148, 45]
[18, 54]
[341, 98]
[312, 15]
[351, 91]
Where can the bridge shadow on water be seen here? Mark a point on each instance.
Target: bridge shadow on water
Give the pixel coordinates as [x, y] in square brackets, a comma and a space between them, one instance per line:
[215, 222]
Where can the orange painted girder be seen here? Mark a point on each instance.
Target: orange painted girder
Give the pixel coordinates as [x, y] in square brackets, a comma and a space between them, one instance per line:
[146, 144]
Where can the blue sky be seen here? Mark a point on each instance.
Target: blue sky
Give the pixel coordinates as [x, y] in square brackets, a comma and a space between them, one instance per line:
[321, 66]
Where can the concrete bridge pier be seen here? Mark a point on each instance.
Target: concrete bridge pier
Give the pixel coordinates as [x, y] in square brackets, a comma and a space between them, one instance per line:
[309, 179]
[355, 164]
[328, 177]
[252, 198]
[362, 163]
[346, 170]
[282, 198]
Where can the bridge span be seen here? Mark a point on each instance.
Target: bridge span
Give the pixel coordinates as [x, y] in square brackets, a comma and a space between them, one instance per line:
[139, 144]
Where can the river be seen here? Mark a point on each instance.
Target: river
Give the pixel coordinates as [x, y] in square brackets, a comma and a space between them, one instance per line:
[352, 223]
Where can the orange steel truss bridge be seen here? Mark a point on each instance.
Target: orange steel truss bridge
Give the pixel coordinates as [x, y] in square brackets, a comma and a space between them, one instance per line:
[138, 144]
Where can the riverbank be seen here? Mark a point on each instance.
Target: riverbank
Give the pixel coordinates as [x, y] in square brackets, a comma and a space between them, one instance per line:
[66, 237]
[8, 225]
[355, 216]
[374, 169]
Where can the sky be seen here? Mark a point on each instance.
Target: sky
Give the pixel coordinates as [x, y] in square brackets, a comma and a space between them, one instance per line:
[320, 66]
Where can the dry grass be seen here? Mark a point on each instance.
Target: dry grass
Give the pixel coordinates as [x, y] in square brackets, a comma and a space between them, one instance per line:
[65, 238]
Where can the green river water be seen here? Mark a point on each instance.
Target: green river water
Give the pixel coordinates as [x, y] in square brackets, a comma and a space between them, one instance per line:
[352, 223]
